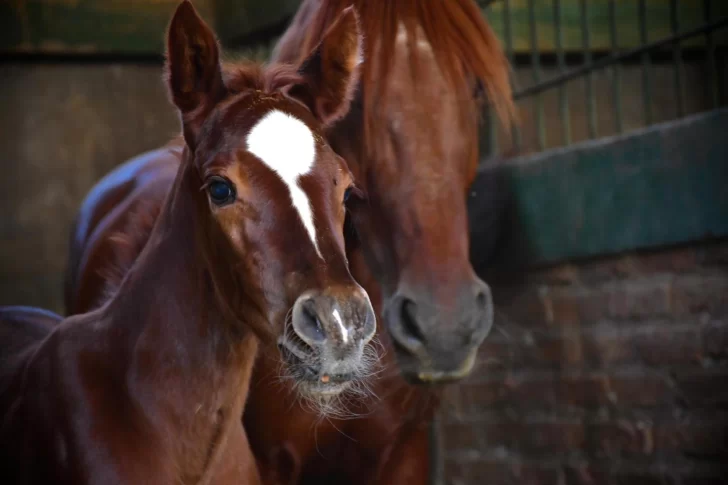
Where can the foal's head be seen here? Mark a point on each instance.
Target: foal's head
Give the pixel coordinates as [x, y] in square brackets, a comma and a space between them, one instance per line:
[272, 194]
[426, 64]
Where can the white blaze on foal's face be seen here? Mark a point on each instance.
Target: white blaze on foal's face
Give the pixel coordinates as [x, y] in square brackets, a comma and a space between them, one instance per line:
[287, 146]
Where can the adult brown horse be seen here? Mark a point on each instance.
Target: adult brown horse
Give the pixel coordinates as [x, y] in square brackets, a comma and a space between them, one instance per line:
[411, 141]
[150, 386]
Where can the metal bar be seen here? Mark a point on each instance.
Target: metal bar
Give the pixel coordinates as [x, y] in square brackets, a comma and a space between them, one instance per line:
[491, 147]
[677, 57]
[616, 73]
[437, 457]
[646, 86]
[492, 132]
[609, 60]
[589, 80]
[535, 67]
[563, 93]
[710, 53]
[508, 33]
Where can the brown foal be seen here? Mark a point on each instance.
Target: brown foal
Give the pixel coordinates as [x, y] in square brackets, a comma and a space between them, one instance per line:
[411, 141]
[246, 245]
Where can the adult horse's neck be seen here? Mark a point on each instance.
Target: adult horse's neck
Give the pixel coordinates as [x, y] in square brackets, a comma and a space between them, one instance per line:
[185, 364]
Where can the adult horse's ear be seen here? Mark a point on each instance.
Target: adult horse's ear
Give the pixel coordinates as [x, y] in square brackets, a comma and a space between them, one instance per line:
[193, 70]
[331, 71]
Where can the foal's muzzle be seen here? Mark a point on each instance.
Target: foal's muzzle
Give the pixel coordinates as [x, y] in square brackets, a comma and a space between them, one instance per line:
[330, 331]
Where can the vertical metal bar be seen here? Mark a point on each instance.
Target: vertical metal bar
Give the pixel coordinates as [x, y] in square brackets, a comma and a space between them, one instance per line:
[492, 132]
[536, 68]
[508, 33]
[437, 457]
[563, 94]
[710, 53]
[616, 73]
[646, 87]
[677, 57]
[589, 79]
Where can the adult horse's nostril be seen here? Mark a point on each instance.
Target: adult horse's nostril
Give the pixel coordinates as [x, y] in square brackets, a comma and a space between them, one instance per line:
[404, 326]
[482, 300]
[307, 324]
[408, 318]
[483, 317]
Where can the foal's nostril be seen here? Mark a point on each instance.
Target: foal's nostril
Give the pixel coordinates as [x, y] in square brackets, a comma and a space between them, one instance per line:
[408, 318]
[308, 326]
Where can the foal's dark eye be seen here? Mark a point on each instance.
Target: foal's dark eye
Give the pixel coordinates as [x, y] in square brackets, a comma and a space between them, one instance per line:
[221, 191]
[347, 194]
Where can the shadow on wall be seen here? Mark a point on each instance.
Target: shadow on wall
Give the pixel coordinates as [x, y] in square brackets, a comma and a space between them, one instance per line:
[62, 127]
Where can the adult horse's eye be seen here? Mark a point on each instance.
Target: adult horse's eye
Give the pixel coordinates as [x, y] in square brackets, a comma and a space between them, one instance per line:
[347, 194]
[221, 191]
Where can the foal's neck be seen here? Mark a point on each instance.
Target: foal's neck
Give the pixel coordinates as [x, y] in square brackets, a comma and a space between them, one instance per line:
[185, 367]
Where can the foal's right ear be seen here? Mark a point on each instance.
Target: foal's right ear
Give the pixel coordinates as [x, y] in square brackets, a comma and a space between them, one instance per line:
[194, 73]
[331, 71]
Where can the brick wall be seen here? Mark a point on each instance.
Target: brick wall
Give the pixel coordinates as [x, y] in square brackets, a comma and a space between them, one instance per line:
[607, 372]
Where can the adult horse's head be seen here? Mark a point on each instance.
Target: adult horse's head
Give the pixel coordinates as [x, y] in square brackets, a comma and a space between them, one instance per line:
[272, 194]
[418, 109]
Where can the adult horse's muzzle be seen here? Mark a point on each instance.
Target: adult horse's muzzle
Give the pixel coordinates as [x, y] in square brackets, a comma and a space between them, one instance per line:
[437, 343]
[325, 346]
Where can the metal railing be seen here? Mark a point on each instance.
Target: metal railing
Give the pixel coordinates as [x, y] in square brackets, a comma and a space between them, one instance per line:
[612, 61]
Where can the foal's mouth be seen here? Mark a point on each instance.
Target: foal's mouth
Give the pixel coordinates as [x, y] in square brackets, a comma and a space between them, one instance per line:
[305, 367]
[299, 361]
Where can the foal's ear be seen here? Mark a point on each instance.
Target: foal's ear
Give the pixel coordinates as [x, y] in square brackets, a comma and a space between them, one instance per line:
[331, 70]
[194, 73]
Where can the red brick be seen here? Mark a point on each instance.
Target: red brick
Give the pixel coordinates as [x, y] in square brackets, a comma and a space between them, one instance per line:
[530, 349]
[702, 388]
[534, 436]
[703, 439]
[644, 478]
[641, 299]
[717, 479]
[496, 472]
[622, 436]
[462, 436]
[519, 308]
[649, 298]
[555, 391]
[700, 294]
[715, 339]
[652, 344]
[642, 437]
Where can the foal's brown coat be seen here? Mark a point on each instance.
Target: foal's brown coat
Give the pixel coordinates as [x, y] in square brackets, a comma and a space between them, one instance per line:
[150, 386]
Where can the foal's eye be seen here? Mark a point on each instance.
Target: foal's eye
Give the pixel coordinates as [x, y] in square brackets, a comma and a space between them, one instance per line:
[347, 194]
[221, 191]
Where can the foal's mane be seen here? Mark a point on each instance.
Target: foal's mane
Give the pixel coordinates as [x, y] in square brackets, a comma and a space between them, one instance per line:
[240, 77]
[463, 44]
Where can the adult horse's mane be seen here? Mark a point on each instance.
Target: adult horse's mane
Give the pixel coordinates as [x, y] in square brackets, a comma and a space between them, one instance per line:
[464, 46]
[130, 240]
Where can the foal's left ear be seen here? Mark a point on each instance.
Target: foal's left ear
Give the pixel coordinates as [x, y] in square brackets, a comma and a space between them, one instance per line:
[331, 71]
[194, 72]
